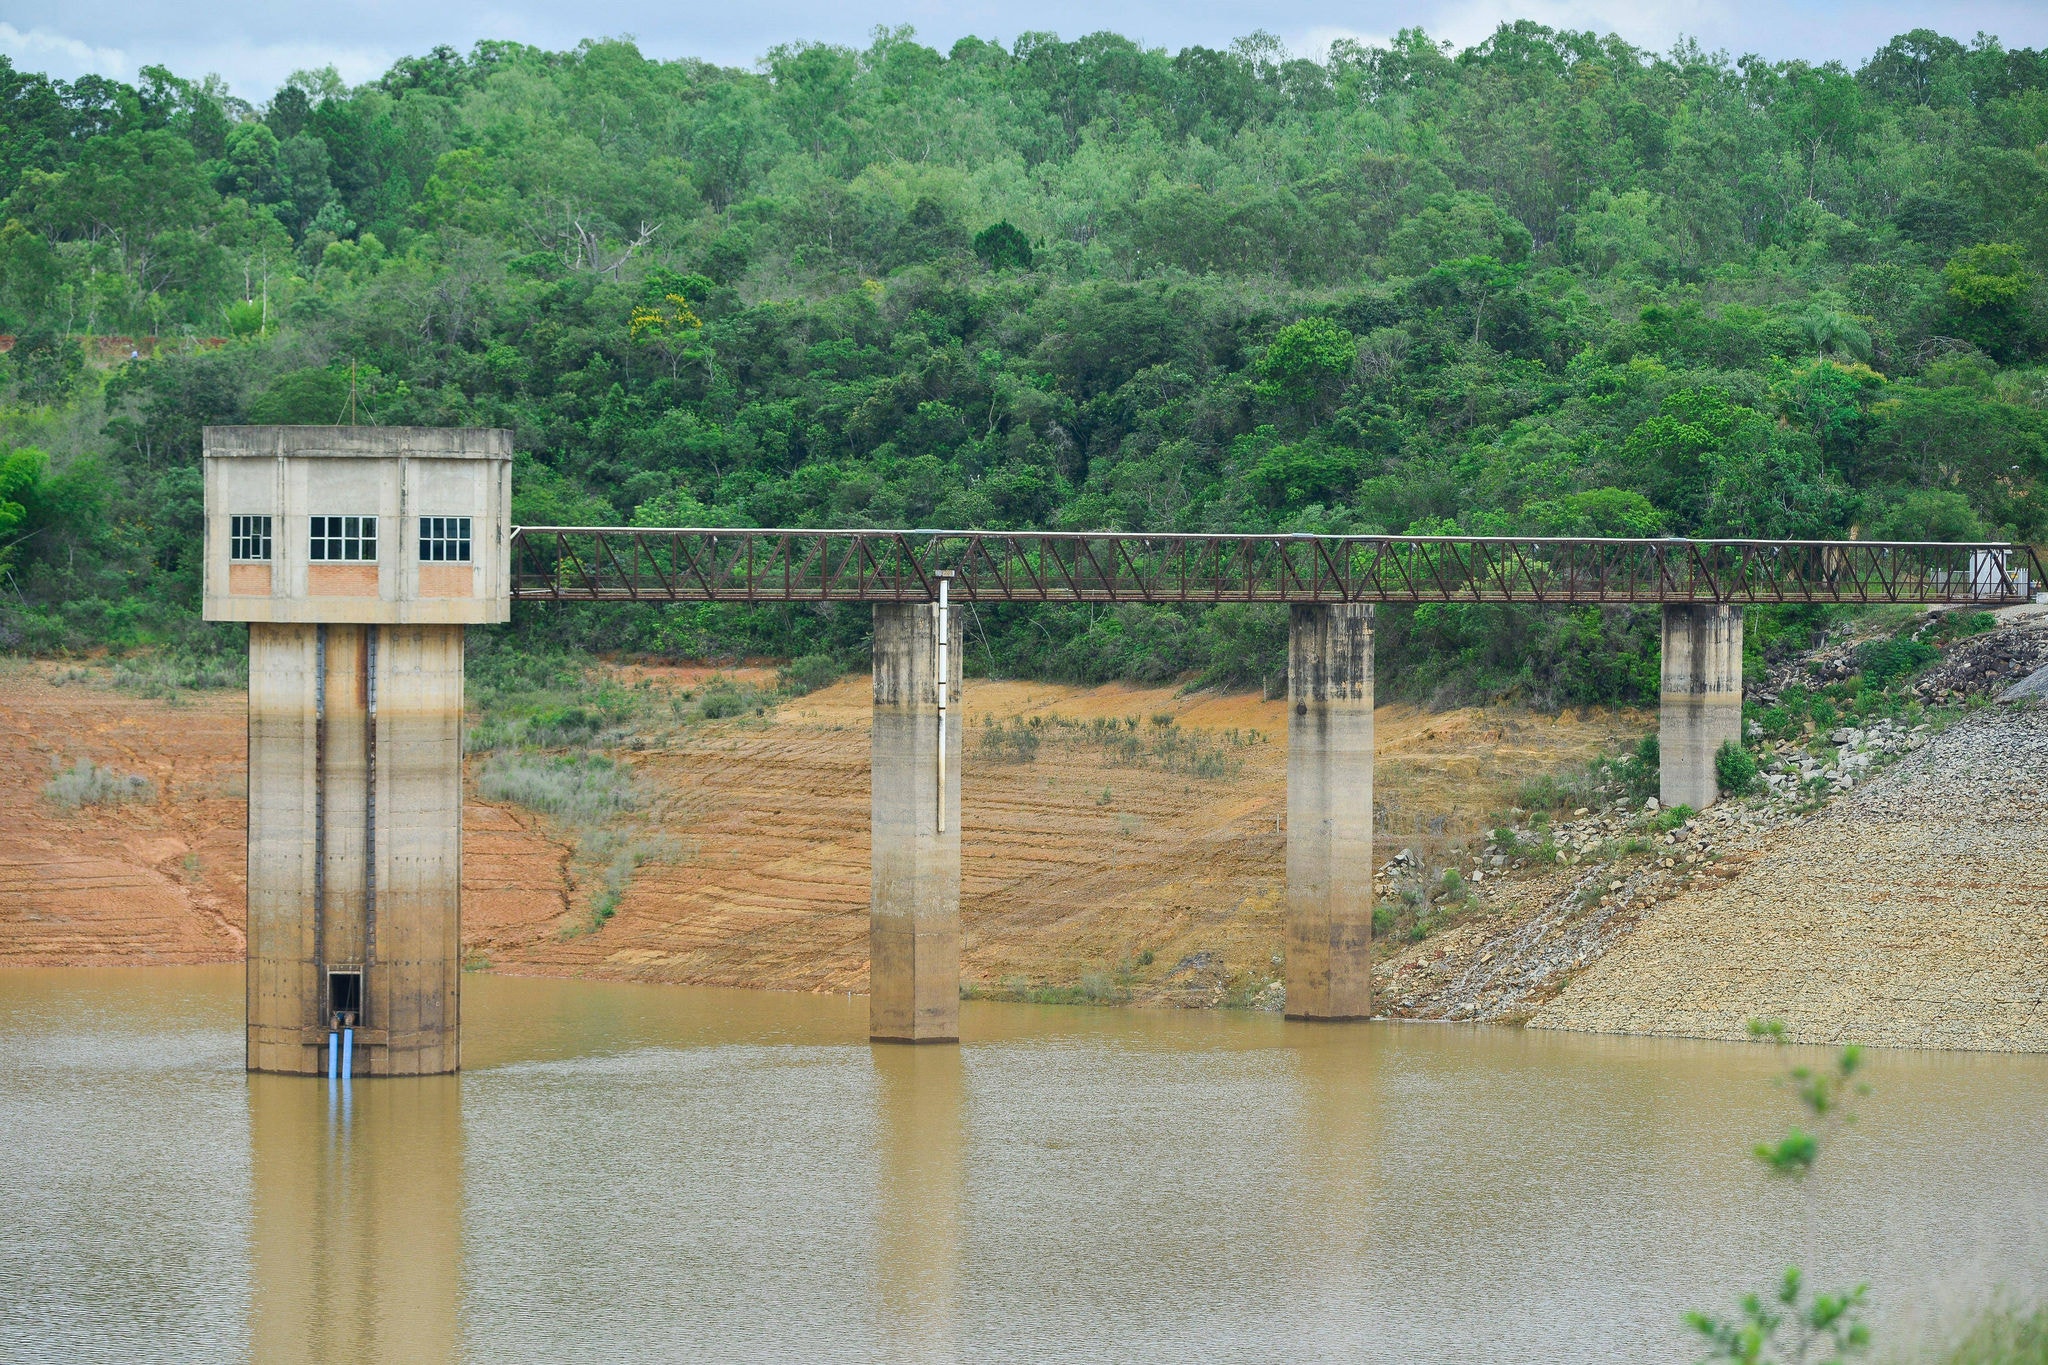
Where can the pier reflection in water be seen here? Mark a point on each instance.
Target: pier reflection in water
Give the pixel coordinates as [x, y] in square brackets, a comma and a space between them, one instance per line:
[918, 1194]
[630, 1172]
[356, 1194]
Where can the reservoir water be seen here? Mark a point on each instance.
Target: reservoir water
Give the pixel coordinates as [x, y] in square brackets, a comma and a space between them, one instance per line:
[634, 1172]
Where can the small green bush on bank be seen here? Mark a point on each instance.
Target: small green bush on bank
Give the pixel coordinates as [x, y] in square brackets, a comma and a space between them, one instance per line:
[85, 783]
[578, 788]
[1734, 769]
[1884, 662]
[800, 677]
[1163, 744]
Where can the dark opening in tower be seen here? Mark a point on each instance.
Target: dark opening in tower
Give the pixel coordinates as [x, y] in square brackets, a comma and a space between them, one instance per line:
[345, 999]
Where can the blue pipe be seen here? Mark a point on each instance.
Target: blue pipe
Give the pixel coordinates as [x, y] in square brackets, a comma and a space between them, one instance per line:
[333, 1054]
[348, 1053]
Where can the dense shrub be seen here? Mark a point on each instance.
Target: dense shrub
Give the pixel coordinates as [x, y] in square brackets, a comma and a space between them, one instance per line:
[1884, 662]
[1734, 769]
[808, 674]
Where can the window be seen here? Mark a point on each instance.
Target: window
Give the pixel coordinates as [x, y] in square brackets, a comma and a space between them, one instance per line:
[345, 539]
[249, 538]
[444, 539]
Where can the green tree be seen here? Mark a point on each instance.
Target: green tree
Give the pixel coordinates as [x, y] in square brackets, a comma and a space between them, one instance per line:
[1295, 474]
[1671, 456]
[1993, 453]
[30, 275]
[1820, 110]
[1001, 246]
[49, 368]
[1911, 66]
[20, 473]
[39, 507]
[1991, 289]
[1836, 335]
[131, 189]
[1619, 512]
[248, 163]
[1457, 226]
[1307, 364]
[1478, 280]
[312, 397]
[1836, 403]
[1922, 514]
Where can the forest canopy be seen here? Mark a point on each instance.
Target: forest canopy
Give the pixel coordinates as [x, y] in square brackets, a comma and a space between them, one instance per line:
[1551, 283]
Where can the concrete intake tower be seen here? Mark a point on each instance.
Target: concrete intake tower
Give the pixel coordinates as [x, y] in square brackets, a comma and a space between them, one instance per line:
[356, 555]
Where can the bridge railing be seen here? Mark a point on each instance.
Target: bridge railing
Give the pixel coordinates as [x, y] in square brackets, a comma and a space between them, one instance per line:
[648, 564]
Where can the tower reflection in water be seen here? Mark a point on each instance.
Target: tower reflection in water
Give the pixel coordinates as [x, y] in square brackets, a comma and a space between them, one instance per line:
[357, 1227]
[917, 1211]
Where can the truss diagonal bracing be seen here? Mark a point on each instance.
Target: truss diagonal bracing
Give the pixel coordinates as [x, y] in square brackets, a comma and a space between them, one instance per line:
[646, 564]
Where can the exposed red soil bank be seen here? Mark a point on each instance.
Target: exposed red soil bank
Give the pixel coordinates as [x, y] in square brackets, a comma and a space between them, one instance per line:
[1074, 862]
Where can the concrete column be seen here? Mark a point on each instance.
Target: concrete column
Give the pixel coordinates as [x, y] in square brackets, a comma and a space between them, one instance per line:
[914, 905]
[415, 987]
[284, 988]
[1700, 706]
[355, 843]
[1329, 812]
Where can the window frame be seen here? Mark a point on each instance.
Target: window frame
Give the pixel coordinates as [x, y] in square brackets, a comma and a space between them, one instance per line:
[246, 538]
[446, 540]
[343, 533]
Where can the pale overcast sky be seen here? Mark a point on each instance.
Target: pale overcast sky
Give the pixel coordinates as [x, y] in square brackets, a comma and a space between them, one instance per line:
[256, 43]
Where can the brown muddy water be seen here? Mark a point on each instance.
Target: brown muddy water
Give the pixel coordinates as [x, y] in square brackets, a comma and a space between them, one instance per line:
[629, 1172]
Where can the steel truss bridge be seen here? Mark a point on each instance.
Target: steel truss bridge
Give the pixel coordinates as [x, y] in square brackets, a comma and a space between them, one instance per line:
[639, 564]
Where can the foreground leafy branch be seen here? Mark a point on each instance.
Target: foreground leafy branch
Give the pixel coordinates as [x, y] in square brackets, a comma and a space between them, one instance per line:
[1792, 1326]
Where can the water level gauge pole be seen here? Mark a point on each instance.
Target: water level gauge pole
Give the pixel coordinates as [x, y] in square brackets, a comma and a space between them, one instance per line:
[945, 678]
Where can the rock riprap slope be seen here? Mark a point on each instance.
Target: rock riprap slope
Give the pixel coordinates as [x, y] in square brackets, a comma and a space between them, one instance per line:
[1912, 911]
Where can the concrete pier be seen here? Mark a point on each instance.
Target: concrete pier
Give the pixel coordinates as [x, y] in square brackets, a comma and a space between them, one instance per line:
[355, 845]
[415, 985]
[914, 905]
[1700, 704]
[1329, 812]
[285, 992]
[357, 555]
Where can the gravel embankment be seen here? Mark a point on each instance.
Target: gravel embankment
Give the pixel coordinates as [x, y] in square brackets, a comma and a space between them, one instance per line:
[1507, 966]
[1912, 911]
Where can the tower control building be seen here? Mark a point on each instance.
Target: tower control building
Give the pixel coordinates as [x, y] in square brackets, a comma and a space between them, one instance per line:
[356, 555]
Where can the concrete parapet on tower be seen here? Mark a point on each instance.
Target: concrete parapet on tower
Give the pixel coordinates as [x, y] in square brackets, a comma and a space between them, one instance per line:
[1329, 812]
[914, 905]
[356, 555]
[1700, 704]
